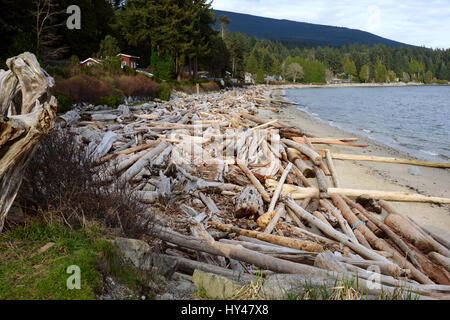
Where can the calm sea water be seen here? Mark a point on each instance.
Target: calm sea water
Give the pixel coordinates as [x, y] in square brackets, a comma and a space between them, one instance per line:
[415, 120]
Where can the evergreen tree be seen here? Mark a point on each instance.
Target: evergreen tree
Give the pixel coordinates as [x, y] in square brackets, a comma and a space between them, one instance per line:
[109, 47]
[364, 75]
[252, 64]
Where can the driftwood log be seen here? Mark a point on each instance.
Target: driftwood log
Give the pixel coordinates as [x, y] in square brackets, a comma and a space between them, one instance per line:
[27, 113]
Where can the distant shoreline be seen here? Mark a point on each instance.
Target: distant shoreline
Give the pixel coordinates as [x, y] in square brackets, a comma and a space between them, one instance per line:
[344, 85]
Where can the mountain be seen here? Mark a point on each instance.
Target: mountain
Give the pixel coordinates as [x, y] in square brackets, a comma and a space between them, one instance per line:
[300, 32]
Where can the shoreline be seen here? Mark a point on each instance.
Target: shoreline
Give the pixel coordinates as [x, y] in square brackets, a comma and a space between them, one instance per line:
[376, 175]
[350, 85]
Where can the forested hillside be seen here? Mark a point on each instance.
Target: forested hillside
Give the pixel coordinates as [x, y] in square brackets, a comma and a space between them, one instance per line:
[300, 32]
[178, 39]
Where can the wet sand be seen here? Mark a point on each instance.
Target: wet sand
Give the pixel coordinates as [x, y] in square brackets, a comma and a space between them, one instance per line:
[375, 175]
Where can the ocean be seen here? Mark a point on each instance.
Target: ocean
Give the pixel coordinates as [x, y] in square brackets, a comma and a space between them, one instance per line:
[413, 119]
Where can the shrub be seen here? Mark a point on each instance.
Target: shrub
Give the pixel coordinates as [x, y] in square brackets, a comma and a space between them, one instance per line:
[164, 91]
[61, 180]
[64, 101]
[210, 86]
[137, 86]
[112, 100]
[83, 88]
[162, 66]
[58, 71]
[129, 71]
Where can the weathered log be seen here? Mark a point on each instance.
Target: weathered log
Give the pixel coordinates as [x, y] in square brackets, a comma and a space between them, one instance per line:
[278, 189]
[137, 166]
[331, 232]
[21, 126]
[440, 259]
[436, 245]
[332, 169]
[376, 242]
[314, 156]
[409, 231]
[338, 215]
[341, 156]
[396, 239]
[188, 266]
[248, 203]
[294, 157]
[279, 212]
[283, 241]
[255, 181]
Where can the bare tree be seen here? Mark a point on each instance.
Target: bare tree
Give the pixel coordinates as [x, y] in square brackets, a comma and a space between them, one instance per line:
[46, 14]
[295, 71]
[223, 22]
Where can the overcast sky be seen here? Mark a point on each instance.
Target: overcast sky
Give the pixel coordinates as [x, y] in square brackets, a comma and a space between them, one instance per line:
[415, 22]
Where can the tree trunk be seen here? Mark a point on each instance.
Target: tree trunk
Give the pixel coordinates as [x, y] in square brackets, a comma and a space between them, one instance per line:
[20, 133]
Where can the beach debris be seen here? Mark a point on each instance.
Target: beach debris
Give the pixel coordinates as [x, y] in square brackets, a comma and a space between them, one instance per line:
[227, 183]
[415, 171]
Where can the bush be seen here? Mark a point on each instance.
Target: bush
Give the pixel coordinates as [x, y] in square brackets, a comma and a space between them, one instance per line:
[61, 180]
[164, 91]
[64, 101]
[113, 100]
[162, 66]
[210, 86]
[58, 71]
[129, 71]
[83, 88]
[137, 86]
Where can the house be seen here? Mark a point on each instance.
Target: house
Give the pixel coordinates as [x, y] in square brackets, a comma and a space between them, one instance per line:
[89, 62]
[249, 78]
[127, 60]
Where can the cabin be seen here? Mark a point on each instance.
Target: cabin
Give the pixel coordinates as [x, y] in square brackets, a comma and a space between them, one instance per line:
[89, 62]
[127, 60]
[249, 78]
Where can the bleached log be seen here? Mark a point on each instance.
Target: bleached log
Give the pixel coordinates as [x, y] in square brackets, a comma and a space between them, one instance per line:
[314, 156]
[332, 169]
[283, 241]
[22, 126]
[331, 232]
[376, 242]
[136, 167]
[338, 215]
[105, 145]
[440, 259]
[278, 189]
[278, 213]
[209, 203]
[255, 181]
[341, 156]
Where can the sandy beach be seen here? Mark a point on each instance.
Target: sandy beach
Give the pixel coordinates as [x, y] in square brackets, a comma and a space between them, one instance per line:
[375, 175]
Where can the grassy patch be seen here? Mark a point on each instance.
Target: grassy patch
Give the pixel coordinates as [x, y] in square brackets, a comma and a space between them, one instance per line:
[27, 274]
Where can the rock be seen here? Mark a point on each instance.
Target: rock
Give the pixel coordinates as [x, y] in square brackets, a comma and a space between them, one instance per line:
[284, 286]
[166, 296]
[216, 287]
[414, 171]
[163, 265]
[136, 251]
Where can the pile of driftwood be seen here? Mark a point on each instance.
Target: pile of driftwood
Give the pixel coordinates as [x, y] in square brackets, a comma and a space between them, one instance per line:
[234, 191]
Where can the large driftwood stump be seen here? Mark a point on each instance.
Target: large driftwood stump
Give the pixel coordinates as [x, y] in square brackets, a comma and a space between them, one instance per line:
[248, 203]
[27, 112]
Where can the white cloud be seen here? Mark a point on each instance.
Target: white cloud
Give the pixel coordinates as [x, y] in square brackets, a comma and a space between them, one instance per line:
[416, 22]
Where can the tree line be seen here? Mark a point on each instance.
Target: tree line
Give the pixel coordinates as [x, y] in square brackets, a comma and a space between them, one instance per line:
[179, 38]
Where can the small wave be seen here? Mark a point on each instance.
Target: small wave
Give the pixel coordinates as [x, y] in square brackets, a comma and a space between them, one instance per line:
[429, 152]
[367, 131]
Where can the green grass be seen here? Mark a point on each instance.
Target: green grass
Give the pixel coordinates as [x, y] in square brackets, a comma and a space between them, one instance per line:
[27, 274]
